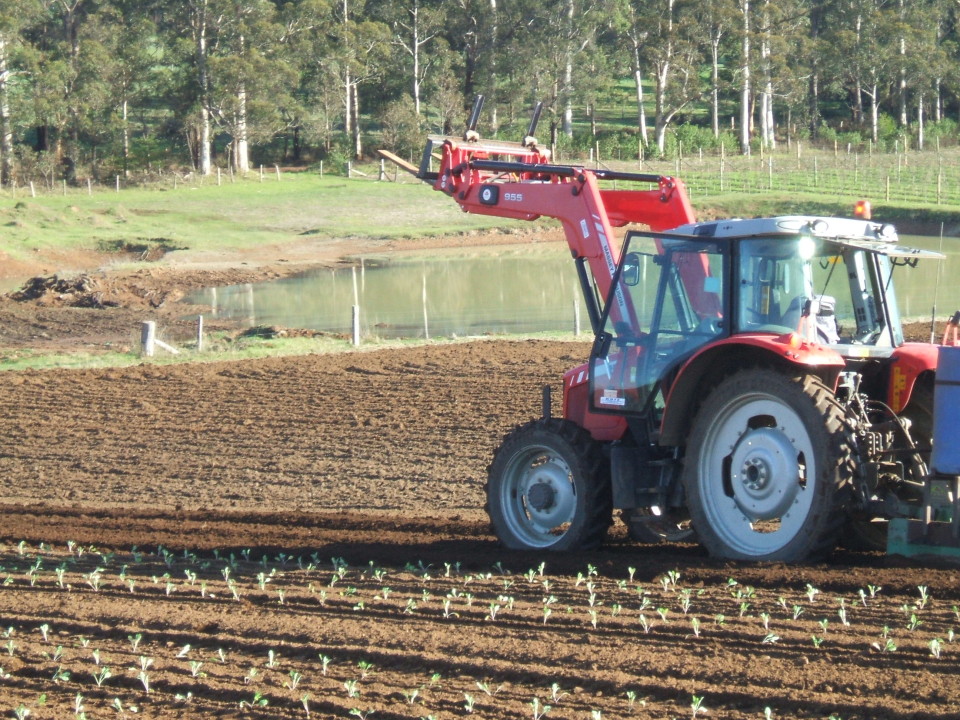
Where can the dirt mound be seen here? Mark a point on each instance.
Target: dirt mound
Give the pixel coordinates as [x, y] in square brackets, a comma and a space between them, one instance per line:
[89, 291]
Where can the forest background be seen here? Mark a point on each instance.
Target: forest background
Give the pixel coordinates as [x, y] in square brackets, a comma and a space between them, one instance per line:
[92, 89]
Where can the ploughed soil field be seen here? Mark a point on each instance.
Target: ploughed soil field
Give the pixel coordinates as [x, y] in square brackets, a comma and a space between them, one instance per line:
[304, 537]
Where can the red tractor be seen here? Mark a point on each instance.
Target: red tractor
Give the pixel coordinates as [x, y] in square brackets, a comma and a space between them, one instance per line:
[748, 386]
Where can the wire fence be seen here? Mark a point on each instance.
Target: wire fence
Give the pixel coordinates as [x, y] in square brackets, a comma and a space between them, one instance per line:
[923, 178]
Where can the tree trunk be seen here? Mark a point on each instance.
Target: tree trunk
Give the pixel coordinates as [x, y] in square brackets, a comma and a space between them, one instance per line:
[204, 162]
[415, 51]
[568, 72]
[638, 78]
[715, 82]
[813, 89]
[492, 92]
[357, 140]
[6, 126]
[242, 141]
[766, 101]
[902, 84]
[874, 114]
[920, 121]
[125, 133]
[745, 80]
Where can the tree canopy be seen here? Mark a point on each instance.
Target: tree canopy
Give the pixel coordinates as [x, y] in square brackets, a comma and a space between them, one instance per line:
[92, 88]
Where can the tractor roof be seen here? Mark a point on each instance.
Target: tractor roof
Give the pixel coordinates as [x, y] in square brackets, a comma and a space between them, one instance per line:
[860, 234]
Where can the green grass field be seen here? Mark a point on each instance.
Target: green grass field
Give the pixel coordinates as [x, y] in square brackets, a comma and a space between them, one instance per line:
[232, 215]
[205, 215]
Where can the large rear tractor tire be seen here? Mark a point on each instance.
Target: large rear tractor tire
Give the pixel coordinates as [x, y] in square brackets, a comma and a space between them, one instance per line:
[767, 463]
[549, 488]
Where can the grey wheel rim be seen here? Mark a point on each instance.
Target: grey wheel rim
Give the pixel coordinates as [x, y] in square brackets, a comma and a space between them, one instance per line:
[538, 496]
[757, 474]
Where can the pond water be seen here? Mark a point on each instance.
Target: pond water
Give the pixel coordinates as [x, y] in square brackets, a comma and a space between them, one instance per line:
[516, 291]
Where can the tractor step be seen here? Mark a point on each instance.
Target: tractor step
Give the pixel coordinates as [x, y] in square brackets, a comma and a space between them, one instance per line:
[937, 533]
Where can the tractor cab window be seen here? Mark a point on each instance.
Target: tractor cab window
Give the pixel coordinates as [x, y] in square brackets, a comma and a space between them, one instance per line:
[824, 290]
[668, 301]
[859, 280]
[775, 283]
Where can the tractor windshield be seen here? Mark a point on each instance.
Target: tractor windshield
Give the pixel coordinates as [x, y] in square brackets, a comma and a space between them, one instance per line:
[830, 291]
[669, 301]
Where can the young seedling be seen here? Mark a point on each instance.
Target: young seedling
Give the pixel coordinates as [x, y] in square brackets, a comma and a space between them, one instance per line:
[468, 702]
[135, 640]
[539, 710]
[258, 701]
[102, 675]
[842, 612]
[294, 681]
[324, 664]
[695, 625]
[697, 706]
[935, 646]
[352, 688]
[812, 592]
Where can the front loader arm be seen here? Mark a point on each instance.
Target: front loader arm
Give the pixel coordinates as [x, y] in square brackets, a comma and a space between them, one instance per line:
[525, 186]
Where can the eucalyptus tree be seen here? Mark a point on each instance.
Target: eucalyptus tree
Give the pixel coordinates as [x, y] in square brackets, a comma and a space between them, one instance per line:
[718, 18]
[674, 56]
[415, 25]
[862, 47]
[125, 35]
[15, 17]
[781, 29]
[358, 53]
[251, 78]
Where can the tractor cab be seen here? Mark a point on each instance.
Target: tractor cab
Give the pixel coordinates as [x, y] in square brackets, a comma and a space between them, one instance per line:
[824, 281]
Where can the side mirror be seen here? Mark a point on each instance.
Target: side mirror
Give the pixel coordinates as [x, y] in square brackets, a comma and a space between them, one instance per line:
[630, 275]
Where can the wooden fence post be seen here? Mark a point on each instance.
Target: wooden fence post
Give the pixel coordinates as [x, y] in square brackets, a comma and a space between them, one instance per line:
[148, 337]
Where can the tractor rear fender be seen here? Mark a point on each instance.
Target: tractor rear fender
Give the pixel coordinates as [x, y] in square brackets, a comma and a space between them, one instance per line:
[909, 362]
[704, 370]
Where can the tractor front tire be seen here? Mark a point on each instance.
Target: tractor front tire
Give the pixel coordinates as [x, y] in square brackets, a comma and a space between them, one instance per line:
[768, 464]
[549, 488]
